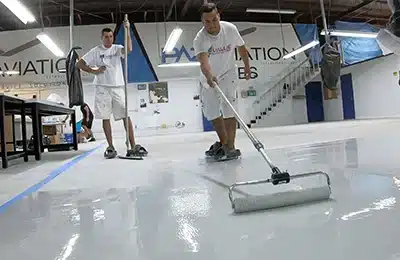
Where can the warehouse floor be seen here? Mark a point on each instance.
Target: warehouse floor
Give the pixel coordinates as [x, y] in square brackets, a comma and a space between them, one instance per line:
[174, 204]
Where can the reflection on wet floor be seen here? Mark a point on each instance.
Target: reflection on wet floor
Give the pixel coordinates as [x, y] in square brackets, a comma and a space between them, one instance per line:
[177, 211]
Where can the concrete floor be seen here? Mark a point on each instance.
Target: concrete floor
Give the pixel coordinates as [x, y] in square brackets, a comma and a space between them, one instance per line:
[174, 205]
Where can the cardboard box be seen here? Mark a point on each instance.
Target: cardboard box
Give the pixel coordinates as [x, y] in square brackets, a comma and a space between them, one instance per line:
[55, 139]
[8, 127]
[49, 130]
[330, 93]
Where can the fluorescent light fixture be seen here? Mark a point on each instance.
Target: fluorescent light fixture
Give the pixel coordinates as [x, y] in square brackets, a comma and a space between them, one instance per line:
[11, 72]
[345, 33]
[301, 49]
[173, 39]
[184, 64]
[270, 11]
[49, 43]
[19, 10]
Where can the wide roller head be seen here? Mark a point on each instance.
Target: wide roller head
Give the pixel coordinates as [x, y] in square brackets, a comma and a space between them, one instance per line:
[280, 199]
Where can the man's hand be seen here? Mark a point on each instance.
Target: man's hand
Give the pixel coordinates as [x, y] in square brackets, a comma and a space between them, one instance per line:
[247, 72]
[99, 70]
[126, 24]
[212, 81]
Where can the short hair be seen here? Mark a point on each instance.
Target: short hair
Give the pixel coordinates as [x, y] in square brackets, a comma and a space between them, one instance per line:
[208, 8]
[106, 30]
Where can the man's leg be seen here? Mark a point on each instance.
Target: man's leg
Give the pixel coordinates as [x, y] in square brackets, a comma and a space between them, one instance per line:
[228, 86]
[103, 109]
[231, 125]
[88, 127]
[211, 109]
[131, 135]
[108, 132]
[87, 131]
[220, 128]
[118, 109]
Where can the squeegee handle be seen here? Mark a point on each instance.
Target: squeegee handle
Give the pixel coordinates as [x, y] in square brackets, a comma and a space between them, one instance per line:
[241, 122]
[126, 32]
[257, 144]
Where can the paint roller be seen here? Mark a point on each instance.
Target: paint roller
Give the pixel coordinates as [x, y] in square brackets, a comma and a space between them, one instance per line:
[276, 200]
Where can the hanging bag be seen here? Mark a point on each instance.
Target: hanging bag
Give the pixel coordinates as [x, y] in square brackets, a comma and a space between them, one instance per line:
[331, 65]
[74, 81]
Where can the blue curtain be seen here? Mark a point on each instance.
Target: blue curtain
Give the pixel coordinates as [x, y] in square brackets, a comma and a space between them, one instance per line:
[308, 33]
[140, 68]
[358, 49]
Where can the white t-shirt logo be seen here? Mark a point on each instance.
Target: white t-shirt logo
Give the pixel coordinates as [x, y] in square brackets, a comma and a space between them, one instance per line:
[220, 50]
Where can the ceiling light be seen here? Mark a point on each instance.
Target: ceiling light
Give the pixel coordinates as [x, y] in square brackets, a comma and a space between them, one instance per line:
[19, 10]
[11, 72]
[301, 49]
[173, 39]
[49, 43]
[274, 11]
[357, 34]
[184, 64]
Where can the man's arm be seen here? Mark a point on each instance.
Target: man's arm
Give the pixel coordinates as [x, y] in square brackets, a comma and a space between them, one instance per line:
[205, 65]
[81, 64]
[129, 42]
[240, 44]
[244, 55]
[129, 47]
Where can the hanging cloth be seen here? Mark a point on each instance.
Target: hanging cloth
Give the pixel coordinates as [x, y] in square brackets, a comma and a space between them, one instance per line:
[74, 81]
[331, 65]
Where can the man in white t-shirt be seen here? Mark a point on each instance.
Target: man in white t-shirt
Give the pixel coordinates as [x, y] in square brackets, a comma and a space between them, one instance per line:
[214, 47]
[109, 82]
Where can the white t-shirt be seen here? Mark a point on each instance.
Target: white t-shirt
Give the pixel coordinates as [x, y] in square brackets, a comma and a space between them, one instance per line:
[220, 48]
[111, 58]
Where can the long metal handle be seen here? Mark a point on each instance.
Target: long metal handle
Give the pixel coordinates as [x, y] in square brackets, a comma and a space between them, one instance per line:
[252, 137]
[126, 30]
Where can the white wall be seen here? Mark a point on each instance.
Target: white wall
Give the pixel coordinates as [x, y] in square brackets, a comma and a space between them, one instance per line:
[266, 51]
[40, 70]
[181, 107]
[376, 88]
[333, 108]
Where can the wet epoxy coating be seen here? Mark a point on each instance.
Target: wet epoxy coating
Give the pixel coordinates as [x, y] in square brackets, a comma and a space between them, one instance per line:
[174, 205]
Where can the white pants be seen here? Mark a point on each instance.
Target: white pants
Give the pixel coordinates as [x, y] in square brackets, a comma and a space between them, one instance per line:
[213, 104]
[109, 100]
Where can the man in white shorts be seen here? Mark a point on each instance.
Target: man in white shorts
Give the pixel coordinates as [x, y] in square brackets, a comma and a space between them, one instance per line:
[214, 47]
[109, 81]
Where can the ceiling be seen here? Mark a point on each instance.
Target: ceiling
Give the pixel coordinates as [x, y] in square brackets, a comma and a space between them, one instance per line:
[56, 12]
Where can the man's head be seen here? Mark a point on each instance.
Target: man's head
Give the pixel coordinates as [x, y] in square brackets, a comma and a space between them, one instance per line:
[107, 36]
[210, 18]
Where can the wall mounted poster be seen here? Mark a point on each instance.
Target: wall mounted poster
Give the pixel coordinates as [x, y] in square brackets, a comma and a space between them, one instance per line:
[142, 87]
[158, 92]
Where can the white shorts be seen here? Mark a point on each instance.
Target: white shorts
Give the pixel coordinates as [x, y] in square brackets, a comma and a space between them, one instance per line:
[109, 100]
[214, 105]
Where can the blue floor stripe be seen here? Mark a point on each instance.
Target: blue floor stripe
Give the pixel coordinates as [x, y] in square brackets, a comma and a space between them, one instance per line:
[51, 176]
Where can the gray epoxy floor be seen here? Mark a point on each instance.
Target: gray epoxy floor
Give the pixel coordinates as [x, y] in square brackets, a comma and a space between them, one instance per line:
[174, 205]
